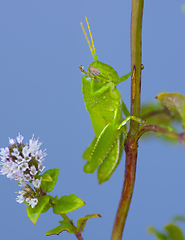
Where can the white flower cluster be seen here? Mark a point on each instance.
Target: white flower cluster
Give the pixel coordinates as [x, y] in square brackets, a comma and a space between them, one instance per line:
[23, 163]
[29, 196]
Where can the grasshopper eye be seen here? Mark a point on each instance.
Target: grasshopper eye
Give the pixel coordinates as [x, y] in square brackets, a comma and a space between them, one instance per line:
[94, 71]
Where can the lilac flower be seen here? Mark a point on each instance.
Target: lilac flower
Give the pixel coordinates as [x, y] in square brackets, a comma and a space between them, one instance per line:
[23, 163]
[20, 160]
[15, 152]
[27, 177]
[36, 183]
[12, 141]
[4, 152]
[33, 170]
[20, 198]
[20, 138]
[32, 202]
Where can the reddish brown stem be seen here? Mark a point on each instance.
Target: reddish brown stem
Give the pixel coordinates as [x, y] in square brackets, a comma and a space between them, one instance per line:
[77, 234]
[126, 195]
[130, 145]
[154, 128]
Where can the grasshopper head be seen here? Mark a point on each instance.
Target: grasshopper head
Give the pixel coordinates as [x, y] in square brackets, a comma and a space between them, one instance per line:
[103, 72]
[98, 70]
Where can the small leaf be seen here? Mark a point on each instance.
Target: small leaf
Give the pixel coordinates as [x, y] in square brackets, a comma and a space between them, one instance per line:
[174, 232]
[156, 113]
[183, 118]
[55, 199]
[49, 185]
[158, 234]
[34, 213]
[82, 221]
[64, 226]
[183, 7]
[178, 218]
[173, 101]
[68, 204]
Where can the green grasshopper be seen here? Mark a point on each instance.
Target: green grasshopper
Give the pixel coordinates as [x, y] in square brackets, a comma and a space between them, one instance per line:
[104, 103]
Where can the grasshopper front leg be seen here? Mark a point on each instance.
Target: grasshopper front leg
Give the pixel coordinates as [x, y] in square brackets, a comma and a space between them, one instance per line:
[123, 125]
[131, 118]
[104, 88]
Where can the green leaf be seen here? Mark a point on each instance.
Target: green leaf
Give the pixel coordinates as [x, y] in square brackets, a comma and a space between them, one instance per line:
[68, 204]
[64, 226]
[150, 107]
[48, 186]
[178, 218]
[173, 101]
[46, 177]
[34, 213]
[157, 114]
[55, 199]
[183, 118]
[46, 207]
[174, 232]
[82, 221]
[183, 7]
[158, 234]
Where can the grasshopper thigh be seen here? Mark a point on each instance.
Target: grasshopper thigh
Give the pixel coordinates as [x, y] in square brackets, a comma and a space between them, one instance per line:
[111, 161]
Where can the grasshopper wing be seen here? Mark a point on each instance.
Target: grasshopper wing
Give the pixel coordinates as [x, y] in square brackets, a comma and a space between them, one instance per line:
[88, 152]
[110, 163]
[103, 145]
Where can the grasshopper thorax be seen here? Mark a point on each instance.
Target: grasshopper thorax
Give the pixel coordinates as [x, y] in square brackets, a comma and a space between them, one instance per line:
[103, 72]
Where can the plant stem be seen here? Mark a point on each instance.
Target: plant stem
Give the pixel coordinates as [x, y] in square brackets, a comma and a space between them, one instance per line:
[153, 128]
[130, 144]
[126, 195]
[77, 234]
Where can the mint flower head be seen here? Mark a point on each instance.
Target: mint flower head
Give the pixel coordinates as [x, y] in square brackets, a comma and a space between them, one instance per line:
[23, 163]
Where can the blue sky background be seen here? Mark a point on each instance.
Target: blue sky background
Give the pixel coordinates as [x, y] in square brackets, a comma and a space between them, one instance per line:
[41, 46]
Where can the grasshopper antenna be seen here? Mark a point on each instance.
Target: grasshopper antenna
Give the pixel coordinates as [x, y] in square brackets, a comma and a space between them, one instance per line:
[92, 48]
